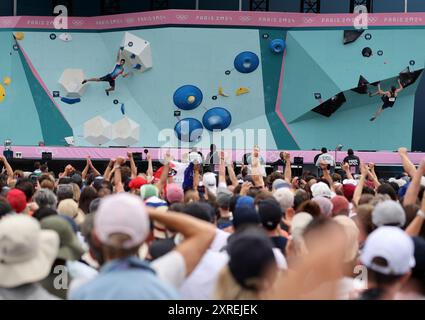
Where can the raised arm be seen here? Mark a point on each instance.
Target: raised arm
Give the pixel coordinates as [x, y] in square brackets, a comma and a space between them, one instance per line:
[359, 188]
[373, 175]
[408, 166]
[414, 186]
[222, 169]
[232, 174]
[8, 168]
[107, 173]
[86, 169]
[119, 55]
[164, 174]
[326, 175]
[119, 187]
[198, 235]
[380, 91]
[93, 169]
[347, 171]
[132, 165]
[149, 171]
[288, 169]
[414, 228]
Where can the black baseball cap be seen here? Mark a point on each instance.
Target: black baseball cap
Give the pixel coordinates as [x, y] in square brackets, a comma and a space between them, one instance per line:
[270, 213]
[250, 255]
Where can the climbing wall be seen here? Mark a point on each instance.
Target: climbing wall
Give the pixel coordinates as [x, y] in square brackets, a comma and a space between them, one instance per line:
[303, 88]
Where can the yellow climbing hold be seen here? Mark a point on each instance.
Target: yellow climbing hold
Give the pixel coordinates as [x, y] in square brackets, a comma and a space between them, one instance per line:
[241, 90]
[191, 99]
[221, 92]
[6, 81]
[2, 93]
[19, 35]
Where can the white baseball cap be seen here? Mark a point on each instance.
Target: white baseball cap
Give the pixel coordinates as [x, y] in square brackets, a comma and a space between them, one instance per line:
[321, 189]
[122, 213]
[210, 182]
[392, 244]
[388, 212]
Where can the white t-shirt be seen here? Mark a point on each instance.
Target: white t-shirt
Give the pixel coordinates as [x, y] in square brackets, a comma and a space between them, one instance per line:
[200, 284]
[325, 158]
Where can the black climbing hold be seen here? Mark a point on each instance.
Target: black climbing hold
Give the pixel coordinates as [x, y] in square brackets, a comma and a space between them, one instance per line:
[380, 53]
[56, 94]
[227, 72]
[177, 113]
[214, 97]
[130, 44]
[265, 36]
[116, 101]
[368, 36]
[52, 36]
[412, 62]
[317, 96]
[15, 47]
[367, 52]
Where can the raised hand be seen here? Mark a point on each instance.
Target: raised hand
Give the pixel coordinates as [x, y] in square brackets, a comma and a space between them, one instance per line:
[345, 166]
[402, 151]
[287, 156]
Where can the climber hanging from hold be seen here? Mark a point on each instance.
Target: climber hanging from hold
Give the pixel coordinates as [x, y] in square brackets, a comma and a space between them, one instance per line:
[115, 73]
[388, 97]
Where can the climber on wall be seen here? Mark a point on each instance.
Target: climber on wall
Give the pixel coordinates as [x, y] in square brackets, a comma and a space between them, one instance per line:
[388, 97]
[115, 73]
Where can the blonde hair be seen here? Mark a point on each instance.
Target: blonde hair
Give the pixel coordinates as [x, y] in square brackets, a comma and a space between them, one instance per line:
[76, 191]
[228, 289]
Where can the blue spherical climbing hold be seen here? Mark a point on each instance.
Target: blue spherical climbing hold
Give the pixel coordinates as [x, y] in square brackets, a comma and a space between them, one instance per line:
[246, 62]
[187, 97]
[216, 118]
[277, 45]
[188, 130]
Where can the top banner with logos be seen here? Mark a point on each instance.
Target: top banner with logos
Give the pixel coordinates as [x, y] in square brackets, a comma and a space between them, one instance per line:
[215, 18]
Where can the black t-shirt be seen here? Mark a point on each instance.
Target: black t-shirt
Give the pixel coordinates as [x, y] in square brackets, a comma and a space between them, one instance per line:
[279, 242]
[354, 163]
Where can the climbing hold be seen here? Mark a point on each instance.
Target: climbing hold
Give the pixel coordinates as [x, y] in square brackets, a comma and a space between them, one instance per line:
[367, 52]
[214, 97]
[227, 72]
[137, 52]
[6, 81]
[380, 53]
[19, 35]
[70, 100]
[2, 93]
[132, 56]
[130, 44]
[52, 36]
[188, 130]
[122, 108]
[265, 36]
[116, 101]
[182, 96]
[15, 47]
[191, 99]
[368, 36]
[137, 66]
[66, 37]
[317, 96]
[221, 92]
[216, 119]
[412, 62]
[241, 90]
[246, 62]
[277, 45]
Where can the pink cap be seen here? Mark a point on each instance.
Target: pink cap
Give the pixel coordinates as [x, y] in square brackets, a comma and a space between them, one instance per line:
[122, 213]
[174, 193]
